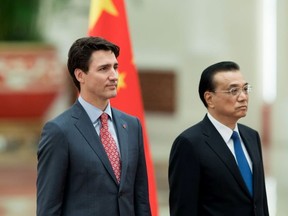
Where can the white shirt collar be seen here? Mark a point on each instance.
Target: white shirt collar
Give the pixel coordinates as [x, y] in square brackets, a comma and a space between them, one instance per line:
[93, 112]
[224, 131]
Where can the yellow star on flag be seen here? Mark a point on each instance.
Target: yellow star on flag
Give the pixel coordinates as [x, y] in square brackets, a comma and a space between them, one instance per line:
[99, 6]
[121, 81]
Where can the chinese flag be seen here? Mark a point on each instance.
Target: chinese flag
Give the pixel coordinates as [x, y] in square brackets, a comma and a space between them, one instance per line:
[108, 20]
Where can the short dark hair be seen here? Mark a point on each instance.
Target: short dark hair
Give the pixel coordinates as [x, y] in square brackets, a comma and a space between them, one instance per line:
[207, 77]
[80, 53]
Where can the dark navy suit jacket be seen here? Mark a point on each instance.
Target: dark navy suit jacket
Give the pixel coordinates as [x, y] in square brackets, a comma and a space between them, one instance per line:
[75, 177]
[205, 180]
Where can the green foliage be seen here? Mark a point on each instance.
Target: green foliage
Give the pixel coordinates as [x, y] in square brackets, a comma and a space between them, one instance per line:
[18, 20]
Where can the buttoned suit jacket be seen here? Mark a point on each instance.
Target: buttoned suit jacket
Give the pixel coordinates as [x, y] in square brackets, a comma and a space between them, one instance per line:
[75, 177]
[204, 178]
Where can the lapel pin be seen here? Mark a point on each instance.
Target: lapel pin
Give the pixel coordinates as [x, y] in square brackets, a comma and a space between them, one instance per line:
[124, 126]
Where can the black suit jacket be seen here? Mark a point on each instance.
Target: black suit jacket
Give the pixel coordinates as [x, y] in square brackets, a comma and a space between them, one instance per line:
[204, 178]
[75, 177]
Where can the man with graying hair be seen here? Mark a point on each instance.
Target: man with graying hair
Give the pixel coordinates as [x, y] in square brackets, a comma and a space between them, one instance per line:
[216, 165]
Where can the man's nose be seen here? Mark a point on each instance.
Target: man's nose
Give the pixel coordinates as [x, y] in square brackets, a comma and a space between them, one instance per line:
[113, 74]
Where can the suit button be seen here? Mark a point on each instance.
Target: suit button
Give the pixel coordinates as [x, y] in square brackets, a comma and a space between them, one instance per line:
[120, 194]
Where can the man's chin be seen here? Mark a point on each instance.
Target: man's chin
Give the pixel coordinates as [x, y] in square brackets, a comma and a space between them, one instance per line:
[113, 95]
[243, 114]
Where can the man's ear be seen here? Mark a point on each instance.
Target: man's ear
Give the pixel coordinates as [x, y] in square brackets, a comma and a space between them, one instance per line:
[79, 75]
[208, 96]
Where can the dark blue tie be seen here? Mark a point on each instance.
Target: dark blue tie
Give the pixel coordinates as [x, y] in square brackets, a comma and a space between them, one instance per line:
[242, 162]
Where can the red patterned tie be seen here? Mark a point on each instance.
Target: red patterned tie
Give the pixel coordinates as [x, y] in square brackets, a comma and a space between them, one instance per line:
[110, 146]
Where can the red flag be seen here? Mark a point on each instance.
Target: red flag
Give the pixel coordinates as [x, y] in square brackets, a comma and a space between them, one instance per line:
[108, 20]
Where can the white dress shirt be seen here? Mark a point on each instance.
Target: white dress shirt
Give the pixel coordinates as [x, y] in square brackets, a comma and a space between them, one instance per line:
[226, 134]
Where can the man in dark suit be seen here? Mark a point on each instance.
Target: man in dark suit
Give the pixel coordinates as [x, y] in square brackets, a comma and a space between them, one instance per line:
[85, 169]
[206, 174]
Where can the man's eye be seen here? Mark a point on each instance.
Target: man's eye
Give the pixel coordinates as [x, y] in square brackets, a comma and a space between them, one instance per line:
[234, 91]
[102, 69]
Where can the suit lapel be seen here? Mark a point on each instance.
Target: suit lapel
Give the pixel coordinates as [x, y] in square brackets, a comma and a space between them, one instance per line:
[251, 147]
[87, 130]
[250, 144]
[218, 145]
[122, 135]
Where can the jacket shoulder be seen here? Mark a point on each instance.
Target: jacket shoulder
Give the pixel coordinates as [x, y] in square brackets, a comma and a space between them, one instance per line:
[246, 128]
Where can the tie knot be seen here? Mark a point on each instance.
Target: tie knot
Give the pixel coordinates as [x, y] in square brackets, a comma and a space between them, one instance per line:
[104, 118]
[235, 136]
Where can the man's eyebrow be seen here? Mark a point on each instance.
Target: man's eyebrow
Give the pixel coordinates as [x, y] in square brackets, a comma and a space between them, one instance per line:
[109, 64]
[104, 65]
[237, 85]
